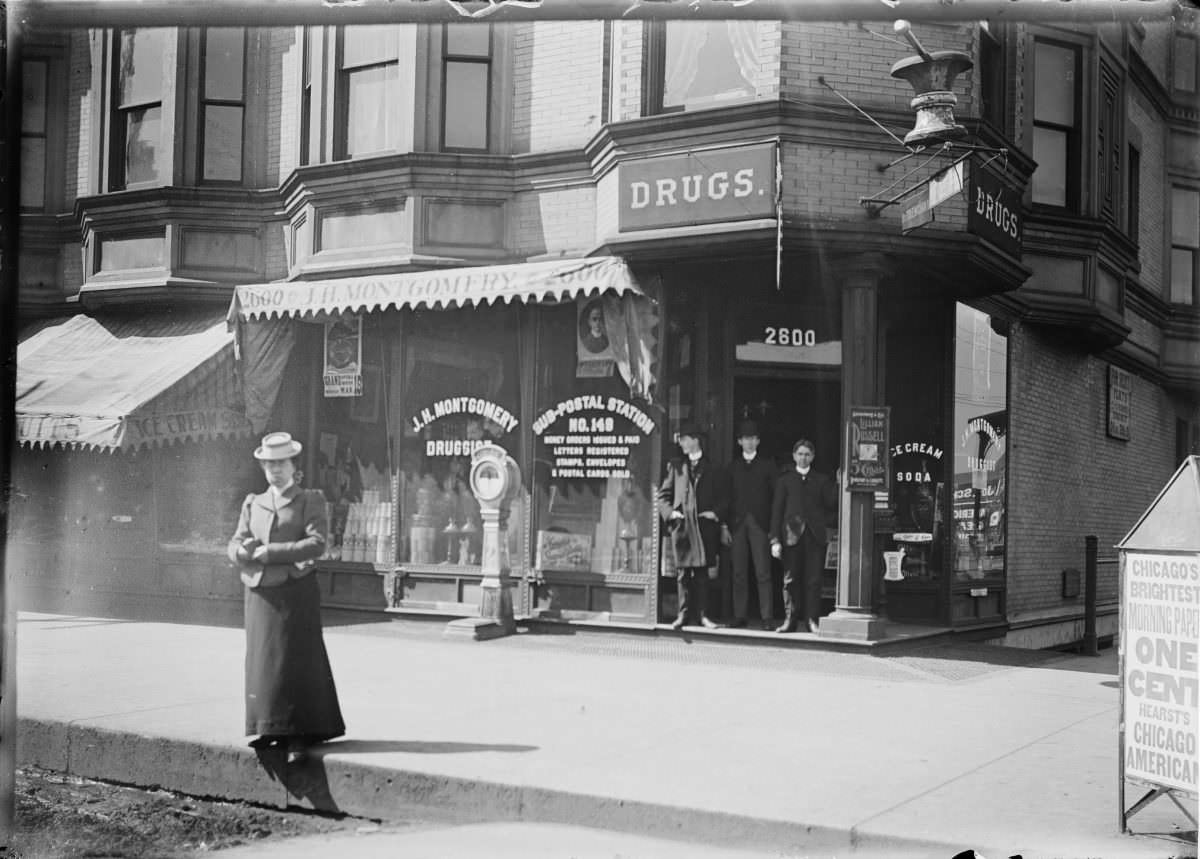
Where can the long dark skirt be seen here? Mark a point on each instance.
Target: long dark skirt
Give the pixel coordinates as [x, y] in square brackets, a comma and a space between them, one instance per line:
[289, 684]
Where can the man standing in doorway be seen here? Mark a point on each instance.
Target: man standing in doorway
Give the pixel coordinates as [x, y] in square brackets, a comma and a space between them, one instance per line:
[805, 503]
[751, 487]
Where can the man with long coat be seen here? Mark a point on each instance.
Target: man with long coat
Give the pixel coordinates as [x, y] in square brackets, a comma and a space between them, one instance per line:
[805, 503]
[690, 504]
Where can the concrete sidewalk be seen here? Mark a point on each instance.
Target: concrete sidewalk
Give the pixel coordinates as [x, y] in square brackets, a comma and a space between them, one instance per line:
[922, 752]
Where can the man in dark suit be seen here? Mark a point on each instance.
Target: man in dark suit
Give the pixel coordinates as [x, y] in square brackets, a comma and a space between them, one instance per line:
[805, 503]
[751, 488]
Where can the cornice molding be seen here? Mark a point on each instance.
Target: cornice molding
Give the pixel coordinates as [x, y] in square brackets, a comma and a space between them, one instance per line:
[171, 201]
[1145, 303]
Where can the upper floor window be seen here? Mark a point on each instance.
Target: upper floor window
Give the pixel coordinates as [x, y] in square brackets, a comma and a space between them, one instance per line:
[1056, 121]
[466, 77]
[35, 76]
[1133, 194]
[306, 95]
[1185, 246]
[368, 82]
[692, 65]
[993, 83]
[222, 103]
[1184, 65]
[137, 147]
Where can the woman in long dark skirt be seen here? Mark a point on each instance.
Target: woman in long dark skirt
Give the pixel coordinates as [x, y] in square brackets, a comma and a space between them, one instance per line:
[291, 700]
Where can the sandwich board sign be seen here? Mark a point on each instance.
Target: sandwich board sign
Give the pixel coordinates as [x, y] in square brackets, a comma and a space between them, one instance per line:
[1159, 729]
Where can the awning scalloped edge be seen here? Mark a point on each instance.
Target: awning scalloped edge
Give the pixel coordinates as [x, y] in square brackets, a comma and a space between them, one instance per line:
[552, 295]
[145, 444]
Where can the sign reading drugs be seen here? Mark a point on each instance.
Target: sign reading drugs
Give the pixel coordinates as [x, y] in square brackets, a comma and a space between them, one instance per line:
[732, 183]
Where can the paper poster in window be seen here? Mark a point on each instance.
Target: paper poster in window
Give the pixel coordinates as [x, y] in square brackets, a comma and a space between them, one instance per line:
[343, 358]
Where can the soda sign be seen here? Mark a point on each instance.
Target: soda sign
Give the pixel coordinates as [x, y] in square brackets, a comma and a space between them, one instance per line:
[732, 183]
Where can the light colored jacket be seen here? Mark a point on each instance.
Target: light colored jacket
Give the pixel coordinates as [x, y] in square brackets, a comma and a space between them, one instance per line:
[292, 527]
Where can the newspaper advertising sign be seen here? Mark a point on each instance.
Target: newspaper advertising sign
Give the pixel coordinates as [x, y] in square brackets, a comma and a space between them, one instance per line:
[343, 358]
[1160, 639]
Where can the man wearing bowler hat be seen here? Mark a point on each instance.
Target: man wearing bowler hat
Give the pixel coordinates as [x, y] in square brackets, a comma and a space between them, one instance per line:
[750, 488]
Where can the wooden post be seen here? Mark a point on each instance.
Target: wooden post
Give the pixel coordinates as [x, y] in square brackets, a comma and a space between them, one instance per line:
[853, 615]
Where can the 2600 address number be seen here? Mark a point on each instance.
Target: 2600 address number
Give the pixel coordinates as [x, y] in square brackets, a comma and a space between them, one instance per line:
[790, 336]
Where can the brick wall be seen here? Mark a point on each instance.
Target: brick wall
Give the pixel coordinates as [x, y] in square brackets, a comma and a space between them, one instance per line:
[559, 221]
[858, 64]
[285, 49]
[1067, 479]
[558, 71]
[77, 171]
[1154, 200]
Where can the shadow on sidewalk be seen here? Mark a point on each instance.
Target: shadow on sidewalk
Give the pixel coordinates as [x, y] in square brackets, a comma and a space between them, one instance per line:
[420, 747]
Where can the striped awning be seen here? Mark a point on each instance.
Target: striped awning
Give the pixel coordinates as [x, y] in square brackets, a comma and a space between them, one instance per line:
[553, 280]
[123, 384]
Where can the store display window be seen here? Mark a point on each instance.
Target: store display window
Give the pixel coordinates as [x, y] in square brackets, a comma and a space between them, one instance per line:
[460, 388]
[350, 457]
[592, 441]
[980, 446]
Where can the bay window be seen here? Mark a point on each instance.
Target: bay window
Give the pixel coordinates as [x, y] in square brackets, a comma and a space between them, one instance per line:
[368, 83]
[466, 75]
[137, 151]
[691, 65]
[36, 80]
[1056, 121]
[1185, 245]
[222, 103]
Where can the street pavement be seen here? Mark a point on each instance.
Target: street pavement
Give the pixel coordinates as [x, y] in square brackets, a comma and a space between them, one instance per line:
[614, 744]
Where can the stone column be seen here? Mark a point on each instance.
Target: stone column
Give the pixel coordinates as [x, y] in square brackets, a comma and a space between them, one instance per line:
[853, 616]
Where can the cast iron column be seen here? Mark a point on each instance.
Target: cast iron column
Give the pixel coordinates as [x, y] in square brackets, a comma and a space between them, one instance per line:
[857, 565]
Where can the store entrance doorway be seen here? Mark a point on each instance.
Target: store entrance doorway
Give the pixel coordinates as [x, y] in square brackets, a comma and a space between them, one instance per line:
[788, 405]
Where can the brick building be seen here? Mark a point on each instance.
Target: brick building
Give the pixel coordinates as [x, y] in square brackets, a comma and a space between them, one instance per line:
[419, 219]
